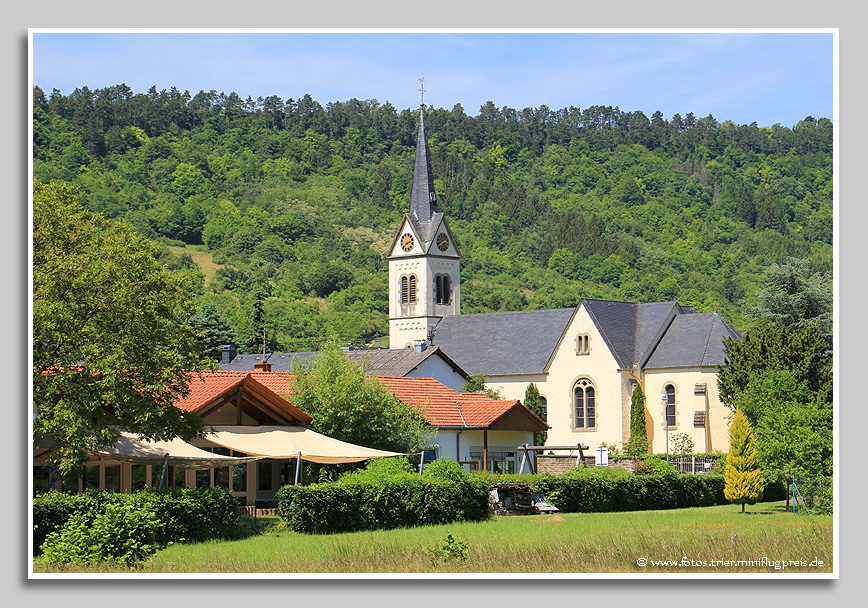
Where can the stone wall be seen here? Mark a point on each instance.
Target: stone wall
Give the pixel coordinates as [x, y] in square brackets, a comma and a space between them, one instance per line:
[557, 464]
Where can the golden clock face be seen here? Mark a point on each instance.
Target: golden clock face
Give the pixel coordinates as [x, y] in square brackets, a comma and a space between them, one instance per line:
[442, 242]
[407, 242]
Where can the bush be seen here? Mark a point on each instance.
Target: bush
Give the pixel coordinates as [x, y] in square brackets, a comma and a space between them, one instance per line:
[381, 467]
[118, 534]
[654, 466]
[595, 493]
[444, 468]
[184, 515]
[381, 503]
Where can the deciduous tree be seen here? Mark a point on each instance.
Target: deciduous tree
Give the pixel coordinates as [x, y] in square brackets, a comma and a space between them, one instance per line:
[349, 405]
[111, 343]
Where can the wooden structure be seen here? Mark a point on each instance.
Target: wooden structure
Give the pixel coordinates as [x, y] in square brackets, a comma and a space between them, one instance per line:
[527, 449]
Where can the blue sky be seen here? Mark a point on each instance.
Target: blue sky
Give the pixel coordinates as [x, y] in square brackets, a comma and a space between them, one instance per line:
[744, 76]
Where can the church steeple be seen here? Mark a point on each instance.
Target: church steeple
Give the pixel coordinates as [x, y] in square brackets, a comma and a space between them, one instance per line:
[424, 262]
[423, 198]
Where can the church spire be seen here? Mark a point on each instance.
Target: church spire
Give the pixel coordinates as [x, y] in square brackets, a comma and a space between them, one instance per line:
[423, 198]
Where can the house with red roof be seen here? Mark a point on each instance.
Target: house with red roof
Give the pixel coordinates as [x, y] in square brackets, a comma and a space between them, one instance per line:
[251, 417]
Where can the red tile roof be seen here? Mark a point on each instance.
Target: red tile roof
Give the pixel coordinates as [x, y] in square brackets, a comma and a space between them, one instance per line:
[443, 407]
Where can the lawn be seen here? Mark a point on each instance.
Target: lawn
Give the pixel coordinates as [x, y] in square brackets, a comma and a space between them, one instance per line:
[717, 540]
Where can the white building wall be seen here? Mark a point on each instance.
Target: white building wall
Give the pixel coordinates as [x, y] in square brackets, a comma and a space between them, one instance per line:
[714, 436]
[435, 367]
[461, 444]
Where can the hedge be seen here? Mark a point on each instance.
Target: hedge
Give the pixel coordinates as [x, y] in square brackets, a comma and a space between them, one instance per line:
[382, 503]
[599, 493]
[185, 514]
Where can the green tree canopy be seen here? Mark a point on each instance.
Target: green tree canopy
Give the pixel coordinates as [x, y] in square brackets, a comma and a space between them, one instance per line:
[793, 427]
[111, 342]
[804, 351]
[792, 295]
[477, 384]
[349, 405]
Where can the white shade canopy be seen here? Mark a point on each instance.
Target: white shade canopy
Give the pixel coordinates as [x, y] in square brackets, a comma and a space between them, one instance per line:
[178, 453]
[279, 442]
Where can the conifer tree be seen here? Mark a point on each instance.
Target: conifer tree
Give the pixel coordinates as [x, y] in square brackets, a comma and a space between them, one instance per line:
[742, 477]
[533, 402]
[637, 444]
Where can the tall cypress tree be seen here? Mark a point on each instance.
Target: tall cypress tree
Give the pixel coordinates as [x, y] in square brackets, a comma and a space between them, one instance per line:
[533, 402]
[743, 482]
[637, 444]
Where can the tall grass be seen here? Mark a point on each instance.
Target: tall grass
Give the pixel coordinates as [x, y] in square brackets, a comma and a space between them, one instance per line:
[557, 543]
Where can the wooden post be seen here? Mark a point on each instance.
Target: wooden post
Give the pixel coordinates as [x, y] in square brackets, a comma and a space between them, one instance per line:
[485, 449]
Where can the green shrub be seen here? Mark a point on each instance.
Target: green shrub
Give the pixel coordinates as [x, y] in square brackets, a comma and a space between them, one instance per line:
[381, 467]
[444, 468]
[119, 534]
[654, 466]
[185, 514]
[381, 503]
[449, 548]
[51, 510]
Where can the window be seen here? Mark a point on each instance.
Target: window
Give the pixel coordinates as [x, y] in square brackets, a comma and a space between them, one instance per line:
[584, 396]
[543, 406]
[408, 289]
[583, 344]
[670, 405]
[442, 289]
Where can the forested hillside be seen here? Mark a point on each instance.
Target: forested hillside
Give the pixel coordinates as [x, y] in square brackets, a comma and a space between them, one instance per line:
[290, 206]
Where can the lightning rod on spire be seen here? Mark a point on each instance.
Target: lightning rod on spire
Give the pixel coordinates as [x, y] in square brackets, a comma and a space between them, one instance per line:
[422, 90]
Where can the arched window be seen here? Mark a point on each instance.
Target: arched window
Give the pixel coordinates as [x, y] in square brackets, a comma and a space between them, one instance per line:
[408, 289]
[544, 408]
[584, 400]
[670, 405]
[442, 289]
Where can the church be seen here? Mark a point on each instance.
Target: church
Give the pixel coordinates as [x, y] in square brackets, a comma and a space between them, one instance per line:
[585, 361]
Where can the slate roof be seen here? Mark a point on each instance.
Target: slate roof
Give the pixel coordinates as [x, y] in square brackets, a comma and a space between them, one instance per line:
[502, 343]
[381, 361]
[693, 340]
[423, 199]
[647, 334]
[630, 328]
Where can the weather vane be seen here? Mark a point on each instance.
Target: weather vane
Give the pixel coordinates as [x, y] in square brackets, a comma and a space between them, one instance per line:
[422, 90]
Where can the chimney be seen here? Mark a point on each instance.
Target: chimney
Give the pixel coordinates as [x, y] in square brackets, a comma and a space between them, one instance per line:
[419, 346]
[262, 366]
[228, 354]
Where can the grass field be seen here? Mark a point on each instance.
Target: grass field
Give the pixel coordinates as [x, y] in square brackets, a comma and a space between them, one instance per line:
[717, 540]
[201, 257]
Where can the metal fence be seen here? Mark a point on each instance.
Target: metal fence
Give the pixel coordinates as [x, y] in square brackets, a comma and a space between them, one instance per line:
[693, 465]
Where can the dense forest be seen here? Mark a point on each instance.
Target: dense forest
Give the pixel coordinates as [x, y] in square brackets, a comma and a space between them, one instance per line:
[284, 210]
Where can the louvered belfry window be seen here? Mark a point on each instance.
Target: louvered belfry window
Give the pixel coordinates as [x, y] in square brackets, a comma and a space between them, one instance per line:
[408, 289]
[442, 289]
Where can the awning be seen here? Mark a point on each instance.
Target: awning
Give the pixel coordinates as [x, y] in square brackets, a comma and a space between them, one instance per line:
[281, 442]
[176, 452]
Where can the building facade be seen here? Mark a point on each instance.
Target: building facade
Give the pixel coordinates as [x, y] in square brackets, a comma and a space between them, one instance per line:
[585, 361]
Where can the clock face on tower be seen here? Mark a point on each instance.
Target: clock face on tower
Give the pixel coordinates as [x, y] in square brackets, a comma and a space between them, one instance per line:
[442, 241]
[407, 241]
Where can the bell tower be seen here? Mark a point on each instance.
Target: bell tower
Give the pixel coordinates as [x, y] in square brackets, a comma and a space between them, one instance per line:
[424, 269]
